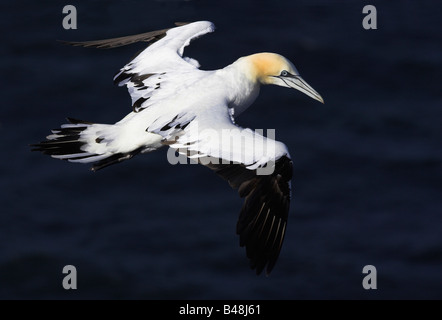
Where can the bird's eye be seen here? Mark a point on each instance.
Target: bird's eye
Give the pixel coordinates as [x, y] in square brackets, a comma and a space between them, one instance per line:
[284, 73]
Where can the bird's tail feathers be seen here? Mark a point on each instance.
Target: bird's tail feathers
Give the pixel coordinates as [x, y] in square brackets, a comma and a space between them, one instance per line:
[84, 142]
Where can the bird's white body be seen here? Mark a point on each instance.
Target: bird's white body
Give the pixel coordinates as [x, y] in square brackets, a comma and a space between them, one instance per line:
[193, 111]
[207, 99]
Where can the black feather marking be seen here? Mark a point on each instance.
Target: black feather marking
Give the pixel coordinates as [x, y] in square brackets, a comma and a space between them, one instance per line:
[166, 127]
[169, 125]
[263, 217]
[64, 141]
[137, 104]
[138, 79]
[122, 77]
[150, 37]
[115, 158]
[183, 126]
[76, 121]
[55, 148]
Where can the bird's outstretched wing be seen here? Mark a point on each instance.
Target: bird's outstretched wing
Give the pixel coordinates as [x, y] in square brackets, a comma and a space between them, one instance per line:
[259, 167]
[149, 37]
[160, 70]
[263, 218]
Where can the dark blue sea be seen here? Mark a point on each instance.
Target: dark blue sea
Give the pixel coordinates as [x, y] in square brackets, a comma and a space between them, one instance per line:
[367, 185]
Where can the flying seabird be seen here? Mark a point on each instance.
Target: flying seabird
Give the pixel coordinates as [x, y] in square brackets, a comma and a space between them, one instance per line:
[193, 112]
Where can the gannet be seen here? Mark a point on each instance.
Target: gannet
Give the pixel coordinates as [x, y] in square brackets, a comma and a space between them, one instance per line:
[193, 111]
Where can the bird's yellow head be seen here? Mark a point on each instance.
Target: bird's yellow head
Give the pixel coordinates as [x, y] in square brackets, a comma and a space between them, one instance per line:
[272, 68]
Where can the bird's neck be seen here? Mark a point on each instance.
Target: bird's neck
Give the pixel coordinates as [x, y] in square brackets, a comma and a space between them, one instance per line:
[243, 86]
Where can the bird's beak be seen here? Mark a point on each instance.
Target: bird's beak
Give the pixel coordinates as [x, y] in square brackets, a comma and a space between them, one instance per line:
[296, 82]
